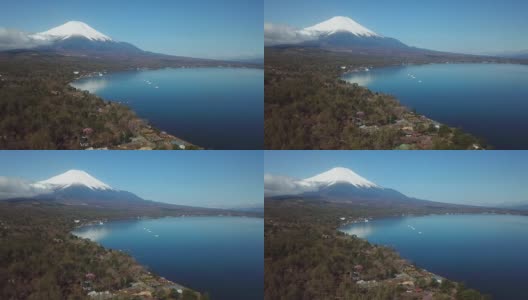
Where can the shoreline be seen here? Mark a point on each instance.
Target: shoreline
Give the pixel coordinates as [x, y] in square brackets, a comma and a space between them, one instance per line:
[146, 283]
[154, 279]
[147, 136]
[410, 260]
[332, 113]
[44, 80]
[169, 137]
[368, 267]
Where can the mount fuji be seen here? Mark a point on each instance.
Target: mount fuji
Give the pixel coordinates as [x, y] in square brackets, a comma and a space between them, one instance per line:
[79, 187]
[79, 38]
[344, 34]
[345, 186]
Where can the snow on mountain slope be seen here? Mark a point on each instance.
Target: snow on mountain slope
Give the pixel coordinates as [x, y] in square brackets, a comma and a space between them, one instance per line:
[338, 24]
[339, 175]
[73, 178]
[72, 29]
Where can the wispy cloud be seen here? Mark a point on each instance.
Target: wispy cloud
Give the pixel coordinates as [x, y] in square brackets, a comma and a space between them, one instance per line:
[283, 185]
[11, 187]
[276, 34]
[16, 39]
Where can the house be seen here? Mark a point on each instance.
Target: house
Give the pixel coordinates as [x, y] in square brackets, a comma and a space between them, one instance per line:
[358, 268]
[100, 295]
[438, 279]
[89, 276]
[86, 285]
[84, 141]
[408, 283]
[404, 147]
[180, 144]
[360, 114]
[87, 131]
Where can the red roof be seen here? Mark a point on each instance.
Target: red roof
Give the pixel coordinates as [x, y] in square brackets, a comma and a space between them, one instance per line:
[358, 267]
[87, 130]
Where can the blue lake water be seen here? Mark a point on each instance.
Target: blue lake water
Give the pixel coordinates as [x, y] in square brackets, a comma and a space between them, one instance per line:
[223, 256]
[486, 252]
[488, 100]
[219, 108]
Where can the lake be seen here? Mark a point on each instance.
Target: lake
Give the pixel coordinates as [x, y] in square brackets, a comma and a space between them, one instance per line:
[487, 252]
[223, 256]
[219, 108]
[488, 100]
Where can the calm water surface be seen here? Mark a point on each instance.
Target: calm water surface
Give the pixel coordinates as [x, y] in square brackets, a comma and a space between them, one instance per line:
[220, 255]
[220, 108]
[487, 252]
[488, 100]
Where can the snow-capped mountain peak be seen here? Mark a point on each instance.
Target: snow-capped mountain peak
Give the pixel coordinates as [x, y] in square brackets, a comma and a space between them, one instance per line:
[73, 178]
[339, 24]
[72, 29]
[340, 175]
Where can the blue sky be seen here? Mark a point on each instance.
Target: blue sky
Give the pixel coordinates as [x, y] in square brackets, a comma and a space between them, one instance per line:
[202, 178]
[483, 177]
[469, 26]
[201, 28]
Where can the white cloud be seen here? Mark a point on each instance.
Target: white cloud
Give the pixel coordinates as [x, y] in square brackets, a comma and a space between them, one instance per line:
[283, 185]
[15, 187]
[16, 39]
[275, 34]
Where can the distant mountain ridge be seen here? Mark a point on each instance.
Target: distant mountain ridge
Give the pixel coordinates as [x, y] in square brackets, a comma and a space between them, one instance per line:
[75, 37]
[522, 54]
[78, 39]
[343, 34]
[345, 186]
[80, 188]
